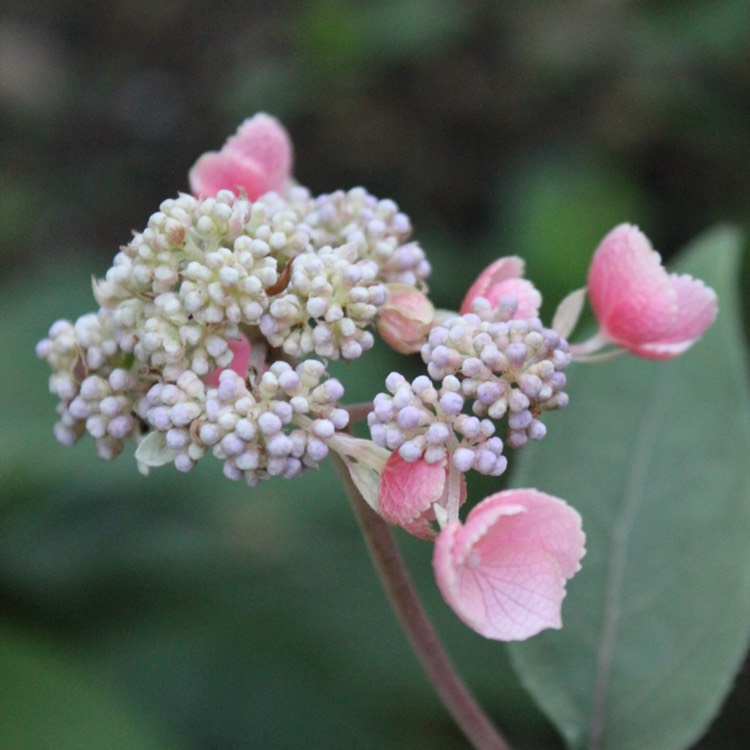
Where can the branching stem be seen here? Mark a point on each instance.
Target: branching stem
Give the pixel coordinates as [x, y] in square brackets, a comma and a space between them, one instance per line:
[403, 597]
[358, 412]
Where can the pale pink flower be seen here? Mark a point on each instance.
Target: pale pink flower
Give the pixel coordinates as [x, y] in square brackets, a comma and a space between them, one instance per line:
[409, 490]
[404, 321]
[241, 350]
[501, 282]
[640, 306]
[255, 160]
[504, 570]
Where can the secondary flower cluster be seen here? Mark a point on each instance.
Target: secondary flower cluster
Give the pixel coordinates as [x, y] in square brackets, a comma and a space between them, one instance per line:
[216, 323]
[491, 368]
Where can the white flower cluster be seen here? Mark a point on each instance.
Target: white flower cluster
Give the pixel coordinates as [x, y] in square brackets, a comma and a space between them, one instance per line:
[277, 427]
[291, 274]
[491, 369]
[421, 421]
[96, 395]
[376, 228]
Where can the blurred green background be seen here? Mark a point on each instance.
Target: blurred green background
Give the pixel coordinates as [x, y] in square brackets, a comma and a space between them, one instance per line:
[191, 613]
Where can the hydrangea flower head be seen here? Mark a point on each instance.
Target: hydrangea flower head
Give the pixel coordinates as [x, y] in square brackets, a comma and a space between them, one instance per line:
[639, 305]
[504, 570]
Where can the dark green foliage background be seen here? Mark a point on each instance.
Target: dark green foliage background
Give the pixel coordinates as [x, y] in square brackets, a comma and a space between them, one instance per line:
[190, 613]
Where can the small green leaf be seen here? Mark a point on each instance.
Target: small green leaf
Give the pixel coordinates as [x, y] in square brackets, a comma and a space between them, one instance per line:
[654, 456]
[154, 451]
[568, 312]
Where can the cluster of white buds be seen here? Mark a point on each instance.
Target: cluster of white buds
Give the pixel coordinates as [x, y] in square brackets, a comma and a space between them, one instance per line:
[171, 410]
[277, 428]
[376, 228]
[273, 425]
[289, 274]
[339, 293]
[485, 370]
[180, 289]
[96, 395]
[425, 422]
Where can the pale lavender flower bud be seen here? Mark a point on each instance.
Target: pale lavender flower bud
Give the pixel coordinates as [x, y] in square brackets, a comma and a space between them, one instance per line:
[408, 418]
[232, 472]
[269, 423]
[411, 451]
[520, 420]
[248, 461]
[434, 453]
[437, 433]
[177, 439]
[394, 381]
[451, 403]
[245, 428]
[232, 444]
[536, 430]
[516, 354]
[120, 427]
[279, 446]
[323, 428]
[518, 401]
[316, 450]
[463, 459]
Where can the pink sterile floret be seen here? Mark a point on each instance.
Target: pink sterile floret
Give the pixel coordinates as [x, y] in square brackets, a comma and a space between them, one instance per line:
[639, 305]
[255, 160]
[501, 280]
[241, 350]
[504, 570]
[409, 489]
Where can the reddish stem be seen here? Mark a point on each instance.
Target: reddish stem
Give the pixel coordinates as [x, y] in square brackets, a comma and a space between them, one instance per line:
[403, 597]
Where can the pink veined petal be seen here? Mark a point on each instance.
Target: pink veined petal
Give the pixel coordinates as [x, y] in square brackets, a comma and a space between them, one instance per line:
[256, 160]
[504, 571]
[264, 139]
[503, 269]
[408, 490]
[225, 170]
[241, 350]
[697, 310]
[630, 291]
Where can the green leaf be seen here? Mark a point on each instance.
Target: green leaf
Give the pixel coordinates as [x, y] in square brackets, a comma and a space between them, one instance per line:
[50, 700]
[654, 456]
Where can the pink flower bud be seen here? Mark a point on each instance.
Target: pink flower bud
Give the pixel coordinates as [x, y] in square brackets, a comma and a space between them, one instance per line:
[241, 350]
[255, 160]
[641, 307]
[504, 570]
[409, 489]
[405, 319]
[501, 281]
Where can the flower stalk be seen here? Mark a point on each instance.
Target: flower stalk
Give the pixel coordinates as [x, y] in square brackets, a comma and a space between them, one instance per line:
[402, 595]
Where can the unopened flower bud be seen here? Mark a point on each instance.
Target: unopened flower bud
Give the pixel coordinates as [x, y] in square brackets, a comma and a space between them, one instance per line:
[405, 319]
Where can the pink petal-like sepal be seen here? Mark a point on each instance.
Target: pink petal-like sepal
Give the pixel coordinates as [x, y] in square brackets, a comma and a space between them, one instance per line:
[404, 321]
[255, 160]
[641, 307]
[503, 281]
[698, 306]
[241, 356]
[409, 489]
[504, 570]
